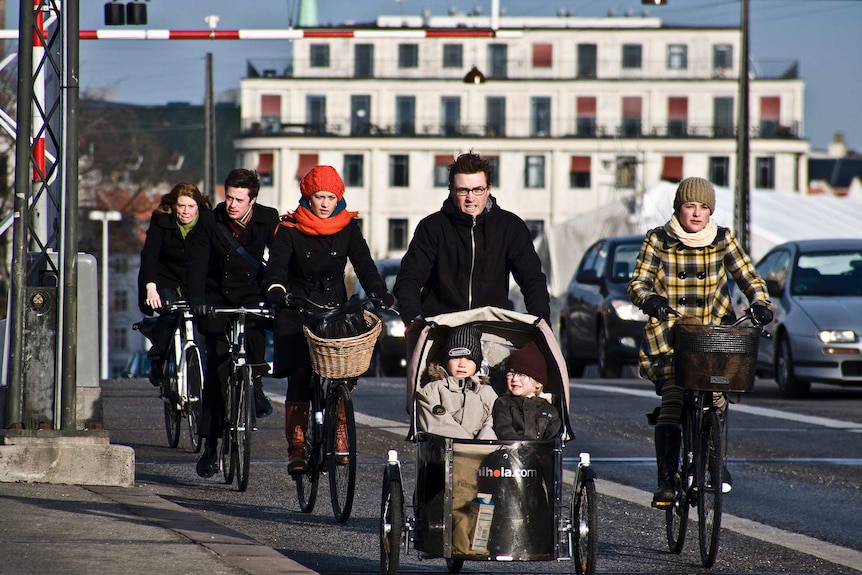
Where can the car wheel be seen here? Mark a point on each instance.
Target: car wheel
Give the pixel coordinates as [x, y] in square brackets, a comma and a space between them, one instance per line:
[790, 386]
[575, 367]
[607, 369]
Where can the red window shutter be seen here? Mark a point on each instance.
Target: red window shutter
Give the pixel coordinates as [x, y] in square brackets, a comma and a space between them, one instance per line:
[770, 108]
[580, 165]
[306, 162]
[442, 160]
[587, 107]
[543, 55]
[672, 169]
[632, 107]
[270, 105]
[264, 163]
[677, 108]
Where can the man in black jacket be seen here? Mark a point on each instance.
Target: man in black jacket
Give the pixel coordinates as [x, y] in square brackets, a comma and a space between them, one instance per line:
[225, 268]
[461, 257]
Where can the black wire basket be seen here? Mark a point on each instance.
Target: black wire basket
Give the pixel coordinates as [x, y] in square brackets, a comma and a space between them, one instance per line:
[715, 357]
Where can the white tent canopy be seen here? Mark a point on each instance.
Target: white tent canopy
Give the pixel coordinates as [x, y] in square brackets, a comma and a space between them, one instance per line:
[776, 217]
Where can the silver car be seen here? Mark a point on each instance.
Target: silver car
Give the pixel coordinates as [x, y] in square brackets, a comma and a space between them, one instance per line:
[816, 291]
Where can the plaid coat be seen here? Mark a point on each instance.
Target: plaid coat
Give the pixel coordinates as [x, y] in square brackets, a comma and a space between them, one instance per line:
[694, 280]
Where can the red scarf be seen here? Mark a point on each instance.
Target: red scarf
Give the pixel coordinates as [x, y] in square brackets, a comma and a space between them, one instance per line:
[306, 222]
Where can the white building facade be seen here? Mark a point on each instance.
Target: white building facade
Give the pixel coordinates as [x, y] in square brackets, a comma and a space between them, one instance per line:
[572, 112]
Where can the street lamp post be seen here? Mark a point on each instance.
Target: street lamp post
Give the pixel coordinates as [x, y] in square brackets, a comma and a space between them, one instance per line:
[104, 217]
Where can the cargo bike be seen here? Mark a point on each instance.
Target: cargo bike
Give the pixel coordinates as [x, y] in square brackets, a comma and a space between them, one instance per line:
[489, 500]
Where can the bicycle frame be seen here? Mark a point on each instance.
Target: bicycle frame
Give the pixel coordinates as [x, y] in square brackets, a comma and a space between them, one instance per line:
[184, 338]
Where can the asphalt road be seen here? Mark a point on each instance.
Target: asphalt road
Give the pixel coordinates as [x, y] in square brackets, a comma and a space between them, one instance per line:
[794, 509]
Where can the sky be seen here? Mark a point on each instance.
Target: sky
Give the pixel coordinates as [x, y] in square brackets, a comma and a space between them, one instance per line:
[822, 35]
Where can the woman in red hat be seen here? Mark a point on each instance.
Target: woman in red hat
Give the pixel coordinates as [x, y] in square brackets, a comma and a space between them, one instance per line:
[307, 258]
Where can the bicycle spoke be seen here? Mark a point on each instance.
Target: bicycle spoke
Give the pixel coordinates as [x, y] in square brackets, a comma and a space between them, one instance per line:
[194, 394]
[341, 451]
[244, 414]
[711, 464]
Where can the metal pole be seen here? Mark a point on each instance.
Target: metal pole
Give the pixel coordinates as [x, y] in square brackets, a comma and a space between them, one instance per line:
[69, 251]
[105, 217]
[209, 133]
[17, 295]
[743, 180]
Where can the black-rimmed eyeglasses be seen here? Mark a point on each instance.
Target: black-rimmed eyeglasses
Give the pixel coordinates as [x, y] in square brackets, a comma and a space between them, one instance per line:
[477, 192]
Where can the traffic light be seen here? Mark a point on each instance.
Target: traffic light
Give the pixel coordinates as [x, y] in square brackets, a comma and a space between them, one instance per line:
[133, 13]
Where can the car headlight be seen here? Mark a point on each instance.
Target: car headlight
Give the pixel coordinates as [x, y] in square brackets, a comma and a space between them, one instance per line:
[395, 328]
[628, 311]
[837, 336]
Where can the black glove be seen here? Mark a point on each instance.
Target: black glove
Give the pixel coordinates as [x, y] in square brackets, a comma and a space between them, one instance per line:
[656, 306]
[385, 301]
[200, 310]
[761, 312]
[276, 296]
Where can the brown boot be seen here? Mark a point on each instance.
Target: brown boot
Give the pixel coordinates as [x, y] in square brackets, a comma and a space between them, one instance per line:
[342, 448]
[295, 423]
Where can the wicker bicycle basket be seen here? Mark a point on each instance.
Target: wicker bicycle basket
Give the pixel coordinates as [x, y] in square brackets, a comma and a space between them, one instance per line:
[715, 357]
[344, 357]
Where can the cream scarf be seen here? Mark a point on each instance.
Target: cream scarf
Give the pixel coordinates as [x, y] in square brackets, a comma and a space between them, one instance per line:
[699, 239]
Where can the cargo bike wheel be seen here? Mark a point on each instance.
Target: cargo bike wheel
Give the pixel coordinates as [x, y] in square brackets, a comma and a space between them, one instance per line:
[585, 517]
[391, 522]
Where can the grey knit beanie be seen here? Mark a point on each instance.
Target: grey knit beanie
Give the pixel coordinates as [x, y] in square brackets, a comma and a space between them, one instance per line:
[465, 341]
[695, 190]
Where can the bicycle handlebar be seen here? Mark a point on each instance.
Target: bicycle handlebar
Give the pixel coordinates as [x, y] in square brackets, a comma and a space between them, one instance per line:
[749, 316]
[261, 311]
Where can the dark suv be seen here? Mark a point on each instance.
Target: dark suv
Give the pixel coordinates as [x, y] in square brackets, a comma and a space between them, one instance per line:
[598, 323]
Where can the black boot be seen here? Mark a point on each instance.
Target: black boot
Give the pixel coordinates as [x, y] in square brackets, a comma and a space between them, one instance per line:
[157, 370]
[263, 406]
[208, 461]
[667, 442]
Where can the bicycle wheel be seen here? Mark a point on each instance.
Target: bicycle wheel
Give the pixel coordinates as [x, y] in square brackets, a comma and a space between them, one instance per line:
[244, 423]
[676, 516]
[173, 417]
[585, 518]
[391, 525]
[709, 472]
[341, 451]
[308, 482]
[194, 389]
[228, 450]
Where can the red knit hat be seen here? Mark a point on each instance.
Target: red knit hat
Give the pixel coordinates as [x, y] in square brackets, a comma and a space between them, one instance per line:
[322, 179]
[529, 361]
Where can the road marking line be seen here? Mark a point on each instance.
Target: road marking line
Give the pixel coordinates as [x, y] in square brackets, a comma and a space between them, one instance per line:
[749, 409]
[795, 541]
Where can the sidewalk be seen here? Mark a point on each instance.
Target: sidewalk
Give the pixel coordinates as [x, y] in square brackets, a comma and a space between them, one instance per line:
[74, 530]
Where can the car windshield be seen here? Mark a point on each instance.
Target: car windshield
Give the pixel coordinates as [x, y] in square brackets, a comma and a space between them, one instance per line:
[837, 273]
[625, 256]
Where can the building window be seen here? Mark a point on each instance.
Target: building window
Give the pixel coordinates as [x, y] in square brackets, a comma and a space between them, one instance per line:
[534, 172]
[453, 56]
[441, 170]
[265, 162]
[677, 57]
[632, 116]
[120, 301]
[494, 164]
[397, 234]
[586, 116]
[586, 60]
[677, 117]
[631, 56]
[722, 60]
[270, 113]
[119, 339]
[315, 114]
[319, 56]
[625, 175]
[719, 170]
[770, 114]
[450, 115]
[498, 57]
[360, 115]
[405, 115]
[304, 165]
[765, 173]
[536, 227]
[671, 170]
[579, 173]
[540, 116]
[543, 55]
[408, 55]
[399, 171]
[722, 117]
[353, 172]
[119, 265]
[363, 57]
[495, 116]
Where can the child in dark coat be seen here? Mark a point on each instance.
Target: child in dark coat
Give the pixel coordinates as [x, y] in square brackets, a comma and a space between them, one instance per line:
[525, 412]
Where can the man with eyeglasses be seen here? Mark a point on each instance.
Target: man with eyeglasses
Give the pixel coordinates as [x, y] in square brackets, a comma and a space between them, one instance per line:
[461, 256]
